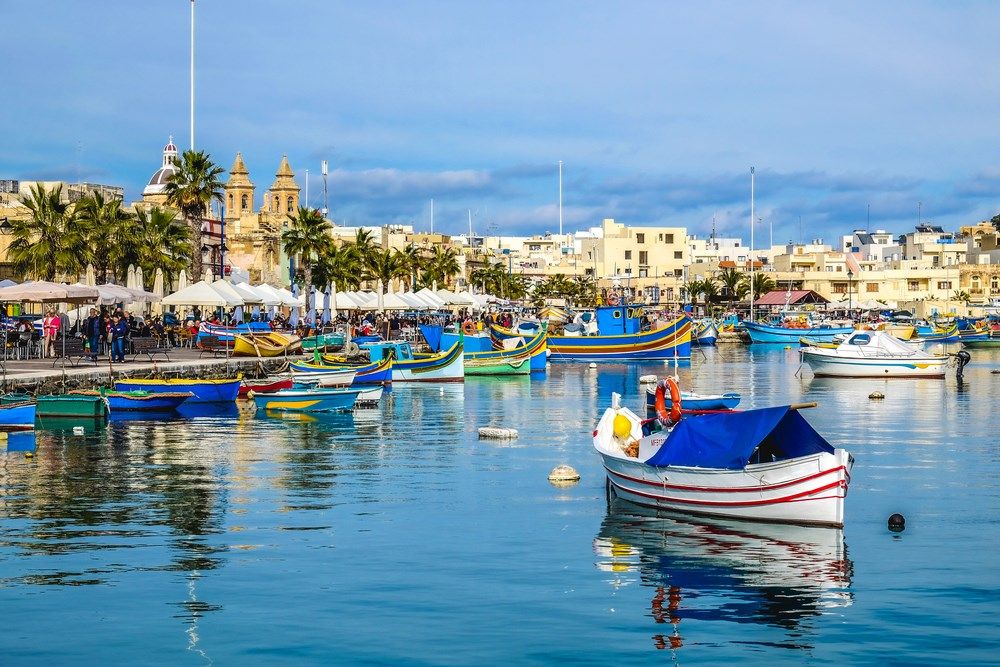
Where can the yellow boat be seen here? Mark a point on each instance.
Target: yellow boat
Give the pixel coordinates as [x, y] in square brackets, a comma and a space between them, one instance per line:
[264, 345]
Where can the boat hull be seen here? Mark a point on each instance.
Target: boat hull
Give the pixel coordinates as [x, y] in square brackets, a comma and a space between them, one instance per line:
[308, 400]
[667, 342]
[762, 333]
[499, 367]
[809, 490]
[154, 402]
[706, 335]
[364, 374]
[825, 363]
[536, 347]
[726, 401]
[205, 391]
[446, 367]
[17, 414]
[983, 344]
[264, 387]
[71, 405]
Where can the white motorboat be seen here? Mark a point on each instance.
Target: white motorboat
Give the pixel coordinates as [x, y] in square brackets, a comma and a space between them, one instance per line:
[873, 354]
[765, 465]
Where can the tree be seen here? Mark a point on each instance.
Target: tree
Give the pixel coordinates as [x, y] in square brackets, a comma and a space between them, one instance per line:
[364, 244]
[441, 266]
[731, 280]
[694, 290]
[338, 264]
[166, 242]
[962, 297]
[113, 240]
[50, 241]
[191, 190]
[584, 291]
[306, 238]
[384, 265]
[413, 260]
[996, 221]
[709, 290]
[762, 284]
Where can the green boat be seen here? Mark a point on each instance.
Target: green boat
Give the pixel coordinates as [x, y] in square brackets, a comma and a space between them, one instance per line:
[72, 405]
[322, 342]
[986, 343]
[498, 366]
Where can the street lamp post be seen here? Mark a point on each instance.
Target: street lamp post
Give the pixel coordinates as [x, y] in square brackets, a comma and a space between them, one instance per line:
[850, 281]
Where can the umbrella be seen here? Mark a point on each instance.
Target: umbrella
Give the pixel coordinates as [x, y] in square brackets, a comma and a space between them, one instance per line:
[7, 283]
[206, 275]
[225, 288]
[139, 280]
[199, 294]
[311, 300]
[182, 280]
[42, 291]
[381, 297]
[158, 289]
[250, 295]
[130, 277]
[294, 319]
[238, 316]
[326, 305]
[90, 278]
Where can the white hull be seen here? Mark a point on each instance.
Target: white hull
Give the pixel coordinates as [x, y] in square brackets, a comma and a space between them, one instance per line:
[452, 372]
[369, 397]
[329, 379]
[829, 363]
[806, 490]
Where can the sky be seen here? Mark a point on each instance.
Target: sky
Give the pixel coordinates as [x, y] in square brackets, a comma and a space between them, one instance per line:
[657, 109]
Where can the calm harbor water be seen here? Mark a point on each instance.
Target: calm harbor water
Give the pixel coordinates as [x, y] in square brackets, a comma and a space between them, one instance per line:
[396, 536]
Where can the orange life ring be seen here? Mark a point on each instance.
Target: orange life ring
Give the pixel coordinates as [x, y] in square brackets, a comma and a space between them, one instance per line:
[469, 328]
[613, 299]
[674, 415]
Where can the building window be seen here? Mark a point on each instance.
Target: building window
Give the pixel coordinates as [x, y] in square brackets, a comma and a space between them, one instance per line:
[244, 201]
[670, 238]
[678, 273]
[661, 237]
[871, 287]
[291, 205]
[642, 273]
[840, 288]
[840, 269]
[944, 284]
[640, 238]
[230, 201]
[678, 254]
[628, 254]
[534, 248]
[588, 272]
[628, 271]
[643, 257]
[913, 285]
[994, 284]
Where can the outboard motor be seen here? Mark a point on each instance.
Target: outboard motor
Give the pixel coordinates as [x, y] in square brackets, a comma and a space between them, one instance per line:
[963, 358]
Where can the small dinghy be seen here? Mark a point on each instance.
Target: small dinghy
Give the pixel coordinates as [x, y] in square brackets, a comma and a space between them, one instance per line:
[765, 464]
[264, 386]
[308, 400]
[21, 413]
[696, 402]
[142, 401]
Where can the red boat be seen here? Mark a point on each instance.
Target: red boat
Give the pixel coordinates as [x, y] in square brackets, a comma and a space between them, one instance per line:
[259, 387]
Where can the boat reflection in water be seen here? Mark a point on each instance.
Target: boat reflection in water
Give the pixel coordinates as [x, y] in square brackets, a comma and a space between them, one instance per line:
[777, 575]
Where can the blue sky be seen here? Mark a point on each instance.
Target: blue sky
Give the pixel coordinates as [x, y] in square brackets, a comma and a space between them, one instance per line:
[657, 109]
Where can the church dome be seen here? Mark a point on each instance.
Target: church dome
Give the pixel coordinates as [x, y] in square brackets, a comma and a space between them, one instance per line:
[158, 183]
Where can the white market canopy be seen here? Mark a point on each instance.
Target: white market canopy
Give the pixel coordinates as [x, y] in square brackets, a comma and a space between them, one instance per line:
[200, 294]
[226, 289]
[42, 291]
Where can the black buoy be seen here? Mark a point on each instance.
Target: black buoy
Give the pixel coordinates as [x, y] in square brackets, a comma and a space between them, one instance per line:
[963, 359]
[897, 523]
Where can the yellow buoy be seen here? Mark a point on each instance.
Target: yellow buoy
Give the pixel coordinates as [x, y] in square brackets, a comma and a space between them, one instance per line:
[622, 426]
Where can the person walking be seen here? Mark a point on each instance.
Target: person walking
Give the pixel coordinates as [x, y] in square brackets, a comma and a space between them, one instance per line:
[50, 329]
[119, 329]
[92, 332]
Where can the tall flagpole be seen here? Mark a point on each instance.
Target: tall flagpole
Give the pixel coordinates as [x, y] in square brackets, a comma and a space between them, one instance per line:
[432, 215]
[192, 74]
[560, 206]
[751, 243]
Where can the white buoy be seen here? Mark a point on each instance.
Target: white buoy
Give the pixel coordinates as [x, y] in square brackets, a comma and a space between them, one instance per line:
[78, 430]
[564, 473]
[876, 395]
[497, 433]
[592, 365]
[647, 379]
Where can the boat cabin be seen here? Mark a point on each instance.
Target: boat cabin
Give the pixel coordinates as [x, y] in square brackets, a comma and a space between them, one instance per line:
[400, 350]
[618, 320]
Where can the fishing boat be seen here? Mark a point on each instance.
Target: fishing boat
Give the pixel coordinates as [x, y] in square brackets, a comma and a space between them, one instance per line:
[873, 354]
[308, 400]
[766, 333]
[508, 345]
[942, 335]
[205, 391]
[265, 345]
[323, 342]
[144, 401]
[378, 372]
[17, 414]
[264, 386]
[990, 342]
[705, 334]
[697, 402]
[341, 378]
[227, 334]
[620, 338]
[72, 405]
[369, 398]
[496, 366]
[441, 338]
[409, 367]
[765, 464]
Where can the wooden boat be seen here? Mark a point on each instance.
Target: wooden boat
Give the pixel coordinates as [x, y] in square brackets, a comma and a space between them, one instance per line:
[706, 333]
[21, 413]
[939, 335]
[308, 400]
[72, 405]
[765, 464]
[498, 366]
[813, 342]
[205, 391]
[265, 345]
[322, 342]
[144, 401]
[264, 386]
[510, 346]
[873, 354]
[378, 372]
[369, 397]
[342, 378]
[992, 341]
[692, 401]
[620, 338]
[408, 367]
[766, 333]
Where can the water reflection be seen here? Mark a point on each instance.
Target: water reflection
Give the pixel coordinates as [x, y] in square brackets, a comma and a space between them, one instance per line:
[715, 570]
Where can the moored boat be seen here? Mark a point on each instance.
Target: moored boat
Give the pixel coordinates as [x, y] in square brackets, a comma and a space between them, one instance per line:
[21, 413]
[379, 372]
[323, 342]
[991, 341]
[498, 366]
[369, 398]
[409, 367]
[308, 400]
[765, 464]
[264, 386]
[144, 401]
[72, 405]
[706, 333]
[205, 391]
[620, 338]
[264, 345]
[693, 401]
[511, 344]
[873, 354]
[766, 333]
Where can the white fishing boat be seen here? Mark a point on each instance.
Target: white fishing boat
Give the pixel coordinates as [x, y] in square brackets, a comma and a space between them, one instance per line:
[369, 398]
[873, 354]
[765, 465]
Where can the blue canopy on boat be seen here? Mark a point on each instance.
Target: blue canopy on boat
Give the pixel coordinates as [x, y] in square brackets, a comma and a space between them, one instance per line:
[731, 440]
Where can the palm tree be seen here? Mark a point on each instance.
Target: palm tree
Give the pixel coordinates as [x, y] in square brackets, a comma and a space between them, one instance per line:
[191, 190]
[413, 259]
[515, 287]
[584, 290]
[306, 238]
[694, 290]
[338, 264]
[50, 241]
[762, 284]
[731, 281]
[364, 243]
[384, 265]
[166, 243]
[709, 290]
[441, 266]
[113, 240]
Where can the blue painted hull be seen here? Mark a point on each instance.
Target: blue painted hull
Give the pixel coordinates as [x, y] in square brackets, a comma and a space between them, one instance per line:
[17, 414]
[672, 340]
[726, 401]
[706, 335]
[762, 333]
[535, 346]
[153, 403]
[205, 391]
[308, 400]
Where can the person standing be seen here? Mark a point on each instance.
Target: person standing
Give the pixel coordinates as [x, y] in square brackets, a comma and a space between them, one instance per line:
[119, 329]
[92, 331]
[50, 329]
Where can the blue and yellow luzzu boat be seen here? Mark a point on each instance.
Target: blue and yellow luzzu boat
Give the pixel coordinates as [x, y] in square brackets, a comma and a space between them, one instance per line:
[536, 348]
[409, 367]
[706, 333]
[379, 372]
[766, 333]
[205, 391]
[620, 338]
[308, 400]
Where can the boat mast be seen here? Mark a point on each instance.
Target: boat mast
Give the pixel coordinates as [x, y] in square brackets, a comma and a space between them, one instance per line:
[751, 242]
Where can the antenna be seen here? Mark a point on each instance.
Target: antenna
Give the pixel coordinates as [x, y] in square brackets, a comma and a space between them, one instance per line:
[325, 170]
[307, 188]
[192, 74]
[560, 203]
[751, 241]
